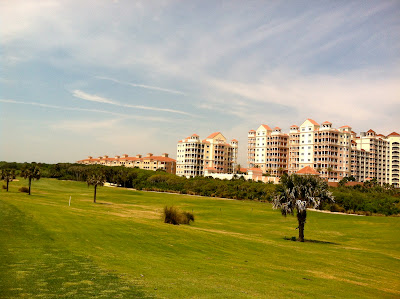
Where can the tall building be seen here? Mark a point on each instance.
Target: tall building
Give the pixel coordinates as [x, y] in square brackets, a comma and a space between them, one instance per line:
[334, 153]
[393, 165]
[149, 162]
[383, 155]
[214, 153]
[268, 150]
[326, 149]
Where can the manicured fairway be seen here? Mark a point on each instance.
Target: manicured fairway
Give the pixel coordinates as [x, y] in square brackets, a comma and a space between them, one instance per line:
[236, 249]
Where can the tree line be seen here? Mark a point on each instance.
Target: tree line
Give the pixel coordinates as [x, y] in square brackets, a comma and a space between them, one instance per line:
[368, 199]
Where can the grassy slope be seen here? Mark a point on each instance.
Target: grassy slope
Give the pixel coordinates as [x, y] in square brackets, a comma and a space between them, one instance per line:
[234, 249]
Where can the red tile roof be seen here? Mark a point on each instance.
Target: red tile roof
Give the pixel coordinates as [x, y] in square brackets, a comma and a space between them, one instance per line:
[370, 131]
[346, 127]
[308, 170]
[327, 122]
[213, 135]
[254, 169]
[277, 128]
[266, 127]
[313, 121]
[394, 134]
[252, 131]
[294, 126]
[234, 140]
[195, 135]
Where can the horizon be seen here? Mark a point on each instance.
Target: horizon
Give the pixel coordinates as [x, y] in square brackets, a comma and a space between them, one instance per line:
[115, 77]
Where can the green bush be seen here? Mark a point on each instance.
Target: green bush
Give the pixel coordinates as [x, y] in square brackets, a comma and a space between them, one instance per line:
[174, 216]
[24, 189]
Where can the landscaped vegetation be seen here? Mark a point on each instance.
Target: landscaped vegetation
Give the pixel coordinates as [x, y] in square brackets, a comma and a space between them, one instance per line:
[121, 247]
[367, 200]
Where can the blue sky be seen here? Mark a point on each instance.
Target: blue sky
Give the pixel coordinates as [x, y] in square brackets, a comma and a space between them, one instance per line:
[81, 78]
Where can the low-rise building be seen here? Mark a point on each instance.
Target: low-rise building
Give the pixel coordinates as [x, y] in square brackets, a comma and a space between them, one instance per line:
[148, 162]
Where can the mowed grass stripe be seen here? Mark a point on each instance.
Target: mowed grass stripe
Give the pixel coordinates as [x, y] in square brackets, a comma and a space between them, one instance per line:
[34, 264]
[235, 249]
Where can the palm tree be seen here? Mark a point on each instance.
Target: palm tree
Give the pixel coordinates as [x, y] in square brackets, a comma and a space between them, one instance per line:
[299, 192]
[7, 175]
[96, 179]
[31, 172]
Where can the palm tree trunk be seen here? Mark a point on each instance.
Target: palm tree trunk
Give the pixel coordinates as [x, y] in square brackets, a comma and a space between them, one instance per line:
[301, 218]
[95, 188]
[30, 182]
[7, 184]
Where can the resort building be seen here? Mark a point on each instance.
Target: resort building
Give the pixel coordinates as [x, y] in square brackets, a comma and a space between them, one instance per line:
[334, 153]
[268, 150]
[213, 153]
[149, 162]
[383, 154]
[393, 165]
[325, 149]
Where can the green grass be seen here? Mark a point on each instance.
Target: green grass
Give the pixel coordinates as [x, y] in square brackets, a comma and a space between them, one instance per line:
[120, 247]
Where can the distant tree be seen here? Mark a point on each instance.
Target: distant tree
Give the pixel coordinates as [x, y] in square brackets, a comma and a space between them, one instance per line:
[351, 178]
[296, 193]
[122, 177]
[96, 179]
[30, 172]
[7, 175]
[343, 181]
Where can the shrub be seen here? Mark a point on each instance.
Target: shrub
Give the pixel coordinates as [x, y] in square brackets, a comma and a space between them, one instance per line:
[4, 187]
[24, 189]
[173, 216]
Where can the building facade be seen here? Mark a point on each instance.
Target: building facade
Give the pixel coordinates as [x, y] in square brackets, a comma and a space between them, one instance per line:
[148, 162]
[213, 153]
[335, 153]
[268, 150]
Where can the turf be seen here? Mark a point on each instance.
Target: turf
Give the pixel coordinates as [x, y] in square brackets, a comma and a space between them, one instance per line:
[120, 247]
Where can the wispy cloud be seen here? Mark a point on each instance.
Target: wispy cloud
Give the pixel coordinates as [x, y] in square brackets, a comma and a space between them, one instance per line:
[95, 98]
[125, 116]
[91, 97]
[141, 85]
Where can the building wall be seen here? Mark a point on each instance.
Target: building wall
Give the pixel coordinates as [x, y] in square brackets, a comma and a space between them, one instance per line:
[394, 160]
[195, 155]
[149, 162]
[268, 150]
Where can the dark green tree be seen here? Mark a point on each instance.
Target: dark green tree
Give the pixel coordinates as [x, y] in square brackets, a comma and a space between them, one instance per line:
[296, 193]
[96, 179]
[7, 175]
[30, 172]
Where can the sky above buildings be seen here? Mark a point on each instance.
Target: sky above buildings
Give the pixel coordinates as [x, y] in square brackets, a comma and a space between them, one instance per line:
[81, 78]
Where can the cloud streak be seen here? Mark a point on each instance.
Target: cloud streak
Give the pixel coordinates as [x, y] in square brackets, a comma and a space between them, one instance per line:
[142, 85]
[95, 98]
[126, 116]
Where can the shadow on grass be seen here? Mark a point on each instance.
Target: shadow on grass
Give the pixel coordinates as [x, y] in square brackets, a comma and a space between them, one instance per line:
[311, 241]
[104, 203]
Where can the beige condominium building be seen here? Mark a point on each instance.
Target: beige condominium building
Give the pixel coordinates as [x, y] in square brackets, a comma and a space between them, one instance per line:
[149, 162]
[326, 149]
[268, 150]
[383, 151]
[333, 152]
[319, 146]
[213, 153]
